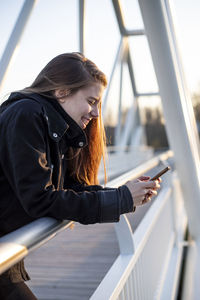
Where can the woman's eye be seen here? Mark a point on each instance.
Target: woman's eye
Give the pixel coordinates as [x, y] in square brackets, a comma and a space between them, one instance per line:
[91, 102]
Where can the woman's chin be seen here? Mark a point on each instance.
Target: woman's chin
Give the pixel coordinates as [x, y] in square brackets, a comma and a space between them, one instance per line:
[82, 125]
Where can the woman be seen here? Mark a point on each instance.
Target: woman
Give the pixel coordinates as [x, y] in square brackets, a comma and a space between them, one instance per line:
[52, 142]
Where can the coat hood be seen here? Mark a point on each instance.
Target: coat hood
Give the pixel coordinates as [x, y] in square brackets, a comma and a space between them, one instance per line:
[11, 99]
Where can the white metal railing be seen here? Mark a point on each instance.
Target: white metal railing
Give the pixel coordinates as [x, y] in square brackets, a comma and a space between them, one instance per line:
[148, 257]
[148, 266]
[16, 245]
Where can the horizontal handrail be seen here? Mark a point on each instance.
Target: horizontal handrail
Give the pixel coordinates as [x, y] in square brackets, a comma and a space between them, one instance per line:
[18, 244]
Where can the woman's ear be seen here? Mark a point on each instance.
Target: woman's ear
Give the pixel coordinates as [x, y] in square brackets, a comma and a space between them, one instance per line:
[61, 94]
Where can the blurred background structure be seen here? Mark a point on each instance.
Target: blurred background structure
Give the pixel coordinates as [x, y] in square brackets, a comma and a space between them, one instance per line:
[149, 51]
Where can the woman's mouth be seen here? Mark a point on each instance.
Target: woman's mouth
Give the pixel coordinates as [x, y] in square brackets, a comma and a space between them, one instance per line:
[84, 122]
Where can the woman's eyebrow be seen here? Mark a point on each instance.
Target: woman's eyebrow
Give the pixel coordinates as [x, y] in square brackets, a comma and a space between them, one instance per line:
[94, 98]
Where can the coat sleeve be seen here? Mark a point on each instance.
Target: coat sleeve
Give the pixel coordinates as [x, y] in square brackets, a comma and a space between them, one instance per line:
[69, 182]
[126, 203]
[23, 159]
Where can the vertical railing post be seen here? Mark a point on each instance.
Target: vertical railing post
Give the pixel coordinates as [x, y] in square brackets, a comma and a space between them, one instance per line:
[124, 236]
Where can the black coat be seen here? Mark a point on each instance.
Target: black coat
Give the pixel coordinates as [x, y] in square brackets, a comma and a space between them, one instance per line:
[35, 132]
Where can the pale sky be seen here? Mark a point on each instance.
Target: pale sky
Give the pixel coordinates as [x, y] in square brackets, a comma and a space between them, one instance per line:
[188, 26]
[53, 29]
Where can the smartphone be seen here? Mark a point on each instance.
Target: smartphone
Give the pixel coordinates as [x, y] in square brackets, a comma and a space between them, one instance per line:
[160, 173]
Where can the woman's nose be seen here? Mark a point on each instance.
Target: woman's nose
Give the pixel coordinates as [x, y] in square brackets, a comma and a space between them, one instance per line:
[95, 112]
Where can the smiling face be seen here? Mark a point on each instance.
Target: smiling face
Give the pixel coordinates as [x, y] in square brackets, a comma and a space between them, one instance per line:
[83, 105]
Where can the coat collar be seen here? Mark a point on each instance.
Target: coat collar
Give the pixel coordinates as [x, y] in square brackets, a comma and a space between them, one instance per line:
[60, 124]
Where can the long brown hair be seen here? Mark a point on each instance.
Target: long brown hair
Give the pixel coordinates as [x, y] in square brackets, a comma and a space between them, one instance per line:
[73, 71]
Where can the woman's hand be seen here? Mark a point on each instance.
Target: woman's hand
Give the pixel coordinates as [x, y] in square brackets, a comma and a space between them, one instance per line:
[142, 189]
